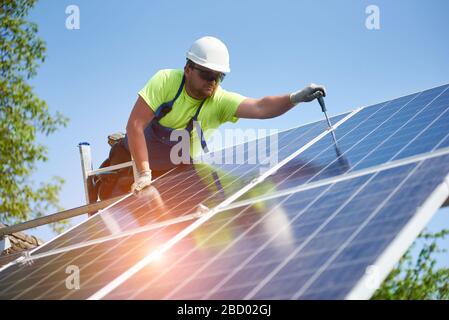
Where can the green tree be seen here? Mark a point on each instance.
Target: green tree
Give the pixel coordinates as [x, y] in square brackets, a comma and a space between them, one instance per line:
[417, 278]
[23, 116]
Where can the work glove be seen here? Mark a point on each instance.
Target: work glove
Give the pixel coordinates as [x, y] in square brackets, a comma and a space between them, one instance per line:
[309, 93]
[143, 181]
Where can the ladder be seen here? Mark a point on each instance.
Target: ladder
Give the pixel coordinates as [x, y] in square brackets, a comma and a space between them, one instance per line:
[87, 171]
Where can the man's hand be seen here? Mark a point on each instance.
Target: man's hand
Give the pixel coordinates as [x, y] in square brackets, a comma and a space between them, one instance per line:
[142, 182]
[308, 94]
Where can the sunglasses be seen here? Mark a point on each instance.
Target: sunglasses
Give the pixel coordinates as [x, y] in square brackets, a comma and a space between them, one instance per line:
[209, 75]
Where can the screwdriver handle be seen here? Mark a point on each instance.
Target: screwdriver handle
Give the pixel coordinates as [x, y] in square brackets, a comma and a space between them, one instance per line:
[321, 101]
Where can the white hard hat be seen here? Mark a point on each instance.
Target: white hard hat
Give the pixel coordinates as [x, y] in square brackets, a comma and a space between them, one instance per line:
[210, 53]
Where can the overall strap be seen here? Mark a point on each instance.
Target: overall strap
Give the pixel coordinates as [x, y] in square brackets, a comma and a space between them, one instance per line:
[189, 128]
[218, 184]
[194, 120]
[167, 106]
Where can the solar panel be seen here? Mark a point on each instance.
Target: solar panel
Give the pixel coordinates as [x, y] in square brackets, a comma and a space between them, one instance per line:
[182, 192]
[308, 230]
[45, 277]
[112, 230]
[314, 243]
[393, 130]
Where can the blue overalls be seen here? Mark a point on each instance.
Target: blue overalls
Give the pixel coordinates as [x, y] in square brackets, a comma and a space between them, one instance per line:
[158, 140]
[157, 136]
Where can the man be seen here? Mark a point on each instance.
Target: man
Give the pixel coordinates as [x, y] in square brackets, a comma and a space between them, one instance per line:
[178, 99]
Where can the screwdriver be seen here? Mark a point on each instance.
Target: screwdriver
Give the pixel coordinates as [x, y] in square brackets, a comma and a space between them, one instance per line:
[344, 162]
[323, 108]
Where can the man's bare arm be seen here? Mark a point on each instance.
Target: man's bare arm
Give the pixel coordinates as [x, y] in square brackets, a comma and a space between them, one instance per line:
[140, 117]
[273, 106]
[264, 108]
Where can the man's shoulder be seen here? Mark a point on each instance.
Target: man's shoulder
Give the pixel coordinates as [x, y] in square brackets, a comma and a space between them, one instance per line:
[164, 82]
[221, 94]
[169, 74]
[161, 86]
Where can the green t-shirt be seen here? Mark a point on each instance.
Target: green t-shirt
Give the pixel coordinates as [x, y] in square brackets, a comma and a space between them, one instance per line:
[216, 110]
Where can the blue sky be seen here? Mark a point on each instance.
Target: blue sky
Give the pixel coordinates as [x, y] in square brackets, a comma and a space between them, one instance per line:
[92, 75]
